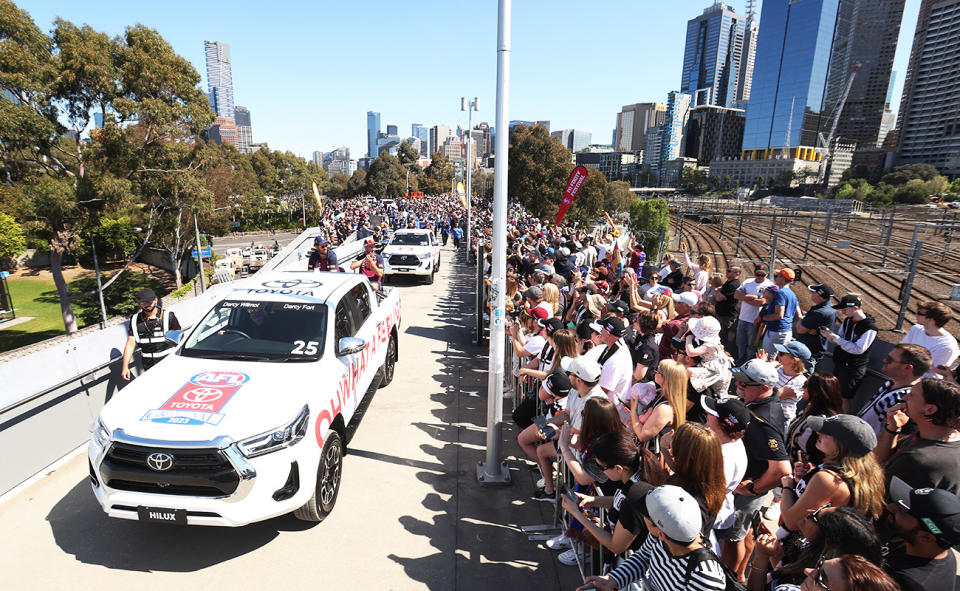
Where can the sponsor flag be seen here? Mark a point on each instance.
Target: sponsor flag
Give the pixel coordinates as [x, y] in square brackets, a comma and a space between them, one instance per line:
[316, 193]
[574, 183]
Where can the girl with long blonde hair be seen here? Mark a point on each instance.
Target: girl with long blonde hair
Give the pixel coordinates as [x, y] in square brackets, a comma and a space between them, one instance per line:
[551, 295]
[669, 409]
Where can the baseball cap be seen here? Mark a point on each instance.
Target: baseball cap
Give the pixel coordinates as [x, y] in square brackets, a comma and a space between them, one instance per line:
[772, 288]
[851, 432]
[760, 268]
[564, 251]
[661, 289]
[795, 348]
[146, 295]
[533, 293]
[557, 383]
[673, 511]
[587, 370]
[937, 509]
[787, 274]
[823, 290]
[320, 241]
[686, 297]
[756, 371]
[585, 329]
[614, 325]
[551, 324]
[368, 242]
[538, 313]
[619, 306]
[731, 411]
[851, 300]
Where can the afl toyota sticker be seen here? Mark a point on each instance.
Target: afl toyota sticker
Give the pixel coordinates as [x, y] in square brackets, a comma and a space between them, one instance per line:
[200, 400]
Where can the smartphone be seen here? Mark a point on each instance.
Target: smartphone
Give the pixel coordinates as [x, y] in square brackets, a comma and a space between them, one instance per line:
[548, 432]
[759, 527]
[573, 498]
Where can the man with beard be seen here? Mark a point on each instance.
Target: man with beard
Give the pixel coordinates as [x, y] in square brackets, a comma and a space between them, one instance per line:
[147, 328]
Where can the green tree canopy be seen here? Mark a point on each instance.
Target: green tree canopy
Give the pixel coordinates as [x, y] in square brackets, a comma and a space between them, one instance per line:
[12, 241]
[437, 176]
[618, 197]
[539, 169]
[649, 217]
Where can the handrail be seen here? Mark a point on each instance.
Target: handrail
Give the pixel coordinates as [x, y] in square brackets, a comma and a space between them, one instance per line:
[43, 393]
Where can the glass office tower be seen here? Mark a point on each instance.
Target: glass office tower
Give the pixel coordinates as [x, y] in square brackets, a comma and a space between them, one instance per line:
[219, 78]
[713, 56]
[373, 131]
[790, 78]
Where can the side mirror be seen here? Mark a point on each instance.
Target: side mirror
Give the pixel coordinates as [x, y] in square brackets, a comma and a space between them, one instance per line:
[173, 336]
[350, 345]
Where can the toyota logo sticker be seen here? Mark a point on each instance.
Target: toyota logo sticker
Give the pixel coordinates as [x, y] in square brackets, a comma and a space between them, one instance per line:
[160, 461]
[292, 283]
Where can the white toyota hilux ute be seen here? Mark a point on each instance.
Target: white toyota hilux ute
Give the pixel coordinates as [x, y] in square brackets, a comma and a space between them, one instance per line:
[412, 252]
[246, 420]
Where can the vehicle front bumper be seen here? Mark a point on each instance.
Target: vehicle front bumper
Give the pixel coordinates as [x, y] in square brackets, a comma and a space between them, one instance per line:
[260, 478]
[425, 267]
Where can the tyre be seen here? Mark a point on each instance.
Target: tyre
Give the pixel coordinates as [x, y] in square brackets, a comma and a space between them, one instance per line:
[328, 481]
[431, 276]
[438, 262]
[389, 366]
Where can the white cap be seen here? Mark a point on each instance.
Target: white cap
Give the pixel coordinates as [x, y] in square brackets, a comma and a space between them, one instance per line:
[686, 297]
[564, 251]
[673, 511]
[587, 370]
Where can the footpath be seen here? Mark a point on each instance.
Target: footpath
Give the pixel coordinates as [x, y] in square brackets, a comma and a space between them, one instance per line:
[410, 513]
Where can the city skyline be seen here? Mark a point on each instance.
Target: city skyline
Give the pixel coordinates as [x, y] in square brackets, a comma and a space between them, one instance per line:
[284, 87]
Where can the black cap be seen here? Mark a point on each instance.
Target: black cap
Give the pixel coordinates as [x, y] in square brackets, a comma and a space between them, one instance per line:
[850, 300]
[937, 510]
[584, 330]
[551, 324]
[823, 290]
[557, 383]
[146, 295]
[614, 325]
[618, 306]
[732, 412]
[759, 268]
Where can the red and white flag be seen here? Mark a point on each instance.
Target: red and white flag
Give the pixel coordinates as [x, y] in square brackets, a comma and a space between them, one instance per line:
[574, 183]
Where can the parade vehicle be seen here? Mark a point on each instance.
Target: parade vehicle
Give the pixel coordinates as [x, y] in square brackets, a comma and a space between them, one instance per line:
[246, 419]
[412, 252]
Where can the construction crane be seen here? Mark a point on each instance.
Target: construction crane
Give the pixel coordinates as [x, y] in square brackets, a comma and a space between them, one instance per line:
[826, 145]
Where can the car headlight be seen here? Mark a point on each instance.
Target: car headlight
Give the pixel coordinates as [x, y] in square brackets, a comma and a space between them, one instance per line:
[101, 434]
[278, 438]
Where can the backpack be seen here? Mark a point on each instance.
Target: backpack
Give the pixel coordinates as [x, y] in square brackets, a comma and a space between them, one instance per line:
[704, 554]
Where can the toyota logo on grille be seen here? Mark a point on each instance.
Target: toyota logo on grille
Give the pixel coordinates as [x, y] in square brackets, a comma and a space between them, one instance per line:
[160, 462]
[291, 283]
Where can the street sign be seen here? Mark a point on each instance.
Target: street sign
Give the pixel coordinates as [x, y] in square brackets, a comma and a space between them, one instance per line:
[205, 252]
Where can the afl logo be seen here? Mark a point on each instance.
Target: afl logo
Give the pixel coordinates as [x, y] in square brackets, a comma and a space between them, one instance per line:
[292, 284]
[219, 379]
[201, 395]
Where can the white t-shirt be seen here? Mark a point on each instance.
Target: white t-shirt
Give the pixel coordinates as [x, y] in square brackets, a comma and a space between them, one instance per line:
[749, 313]
[590, 256]
[595, 352]
[617, 374]
[575, 404]
[535, 345]
[943, 348]
[734, 467]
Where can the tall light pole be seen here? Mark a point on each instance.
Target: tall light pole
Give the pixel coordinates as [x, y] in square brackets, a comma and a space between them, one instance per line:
[203, 280]
[493, 470]
[469, 107]
[96, 268]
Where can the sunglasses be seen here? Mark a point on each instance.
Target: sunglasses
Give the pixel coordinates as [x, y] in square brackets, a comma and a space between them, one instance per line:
[819, 575]
[815, 516]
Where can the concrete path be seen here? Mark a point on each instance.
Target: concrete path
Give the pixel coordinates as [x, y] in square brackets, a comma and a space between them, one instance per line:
[410, 514]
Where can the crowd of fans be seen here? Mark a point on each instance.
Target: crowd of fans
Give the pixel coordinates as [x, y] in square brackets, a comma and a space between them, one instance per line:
[704, 442]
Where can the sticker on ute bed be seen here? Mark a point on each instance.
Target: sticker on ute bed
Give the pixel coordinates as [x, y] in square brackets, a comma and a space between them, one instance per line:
[199, 401]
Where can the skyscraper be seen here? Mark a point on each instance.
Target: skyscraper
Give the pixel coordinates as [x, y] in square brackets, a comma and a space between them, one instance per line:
[317, 158]
[422, 133]
[438, 135]
[865, 42]
[712, 56]
[929, 121]
[244, 129]
[790, 78]
[674, 126]
[713, 132]
[219, 78]
[373, 131]
[632, 123]
[748, 55]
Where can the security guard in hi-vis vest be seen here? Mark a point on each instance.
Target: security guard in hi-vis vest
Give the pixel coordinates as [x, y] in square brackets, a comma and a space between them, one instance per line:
[147, 329]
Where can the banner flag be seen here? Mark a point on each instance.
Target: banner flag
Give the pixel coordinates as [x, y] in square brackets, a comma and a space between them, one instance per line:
[576, 179]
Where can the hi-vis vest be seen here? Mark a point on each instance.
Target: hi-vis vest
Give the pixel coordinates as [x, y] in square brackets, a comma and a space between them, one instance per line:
[155, 345]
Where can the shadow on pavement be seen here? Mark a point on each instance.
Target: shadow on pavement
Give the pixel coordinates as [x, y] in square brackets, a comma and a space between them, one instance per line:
[82, 530]
[489, 550]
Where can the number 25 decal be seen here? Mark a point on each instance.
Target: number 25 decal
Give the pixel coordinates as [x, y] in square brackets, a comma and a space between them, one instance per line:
[304, 348]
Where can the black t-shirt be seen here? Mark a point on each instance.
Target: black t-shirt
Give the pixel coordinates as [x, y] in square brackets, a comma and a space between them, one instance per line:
[696, 413]
[764, 437]
[925, 463]
[673, 280]
[728, 307]
[923, 574]
[645, 351]
[629, 518]
[821, 315]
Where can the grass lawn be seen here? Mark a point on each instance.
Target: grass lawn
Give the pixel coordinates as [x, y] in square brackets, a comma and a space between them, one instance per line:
[34, 297]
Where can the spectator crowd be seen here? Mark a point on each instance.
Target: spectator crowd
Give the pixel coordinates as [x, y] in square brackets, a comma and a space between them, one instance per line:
[707, 431]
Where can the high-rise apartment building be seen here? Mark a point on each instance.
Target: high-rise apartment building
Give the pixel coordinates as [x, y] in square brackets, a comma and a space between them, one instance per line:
[224, 130]
[422, 133]
[484, 137]
[713, 55]
[219, 78]
[317, 158]
[244, 129]
[864, 45]
[748, 56]
[929, 120]
[786, 108]
[438, 135]
[652, 142]
[713, 132]
[674, 126]
[373, 132]
[633, 121]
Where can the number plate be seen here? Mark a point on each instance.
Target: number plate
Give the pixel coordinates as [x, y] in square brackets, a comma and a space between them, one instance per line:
[160, 515]
[403, 270]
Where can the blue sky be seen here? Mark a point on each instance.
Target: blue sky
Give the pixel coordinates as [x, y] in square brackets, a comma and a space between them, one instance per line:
[309, 71]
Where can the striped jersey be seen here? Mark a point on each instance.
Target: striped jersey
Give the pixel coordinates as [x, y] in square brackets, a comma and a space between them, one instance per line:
[662, 571]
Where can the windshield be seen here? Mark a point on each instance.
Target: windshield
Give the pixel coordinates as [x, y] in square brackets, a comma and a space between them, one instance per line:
[260, 331]
[410, 240]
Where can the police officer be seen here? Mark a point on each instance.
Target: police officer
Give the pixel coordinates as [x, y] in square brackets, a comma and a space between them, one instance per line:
[147, 329]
